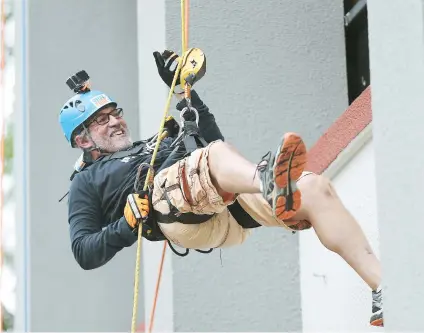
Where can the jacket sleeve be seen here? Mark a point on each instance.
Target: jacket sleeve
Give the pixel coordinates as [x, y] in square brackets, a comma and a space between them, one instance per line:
[208, 127]
[92, 245]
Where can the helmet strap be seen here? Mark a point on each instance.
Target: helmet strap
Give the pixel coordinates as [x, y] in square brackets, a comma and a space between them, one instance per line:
[96, 147]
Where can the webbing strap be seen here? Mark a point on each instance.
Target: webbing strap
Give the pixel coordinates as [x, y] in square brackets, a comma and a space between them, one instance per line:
[136, 149]
[191, 137]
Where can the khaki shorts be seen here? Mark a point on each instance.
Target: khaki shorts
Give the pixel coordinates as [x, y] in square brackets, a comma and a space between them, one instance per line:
[188, 187]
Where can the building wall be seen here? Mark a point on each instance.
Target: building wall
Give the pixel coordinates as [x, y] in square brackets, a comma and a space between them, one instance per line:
[61, 38]
[397, 71]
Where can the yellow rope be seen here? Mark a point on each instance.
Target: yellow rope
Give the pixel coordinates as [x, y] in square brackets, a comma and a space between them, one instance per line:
[184, 29]
[146, 183]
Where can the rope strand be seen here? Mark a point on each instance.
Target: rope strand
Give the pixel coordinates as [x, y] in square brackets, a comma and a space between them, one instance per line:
[152, 313]
[137, 267]
[184, 37]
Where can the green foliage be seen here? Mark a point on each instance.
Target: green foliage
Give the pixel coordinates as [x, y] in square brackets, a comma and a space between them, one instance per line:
[8, 149]
[7, 323]
[7, 317]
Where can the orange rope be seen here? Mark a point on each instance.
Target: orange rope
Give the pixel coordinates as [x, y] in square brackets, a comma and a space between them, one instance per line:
[152, 313]
[185, 35]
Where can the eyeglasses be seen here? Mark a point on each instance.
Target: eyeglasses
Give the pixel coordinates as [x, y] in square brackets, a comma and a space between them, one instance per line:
[104, 118]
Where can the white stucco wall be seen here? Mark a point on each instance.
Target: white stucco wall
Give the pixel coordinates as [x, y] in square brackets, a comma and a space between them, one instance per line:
[396, 34]
[334, 298]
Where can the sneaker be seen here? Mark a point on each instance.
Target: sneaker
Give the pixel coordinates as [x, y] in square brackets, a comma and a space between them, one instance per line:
[377, 308]
[279, 174]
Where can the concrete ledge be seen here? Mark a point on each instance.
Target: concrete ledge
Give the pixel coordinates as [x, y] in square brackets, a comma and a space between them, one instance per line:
[344, 138]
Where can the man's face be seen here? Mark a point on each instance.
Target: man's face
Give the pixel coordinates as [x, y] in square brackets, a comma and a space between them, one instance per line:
[109, 130]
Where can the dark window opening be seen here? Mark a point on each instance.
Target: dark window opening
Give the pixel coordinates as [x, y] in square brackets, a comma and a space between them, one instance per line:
[357, 51]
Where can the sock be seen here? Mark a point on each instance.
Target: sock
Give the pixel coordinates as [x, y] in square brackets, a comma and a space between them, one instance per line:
[378, 289]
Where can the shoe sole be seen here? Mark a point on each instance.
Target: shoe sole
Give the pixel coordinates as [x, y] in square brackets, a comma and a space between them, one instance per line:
[377, 322]
[290, 161]
[377, 319]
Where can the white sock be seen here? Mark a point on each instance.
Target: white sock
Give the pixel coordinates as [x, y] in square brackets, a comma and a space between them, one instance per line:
[378, 289]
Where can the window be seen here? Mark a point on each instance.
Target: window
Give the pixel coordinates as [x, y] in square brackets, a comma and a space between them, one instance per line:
[357, 51]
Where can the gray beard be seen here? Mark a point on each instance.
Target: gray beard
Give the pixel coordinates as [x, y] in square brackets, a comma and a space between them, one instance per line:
[113, 144]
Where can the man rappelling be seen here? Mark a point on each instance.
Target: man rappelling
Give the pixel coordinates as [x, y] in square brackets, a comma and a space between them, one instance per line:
[204, 194]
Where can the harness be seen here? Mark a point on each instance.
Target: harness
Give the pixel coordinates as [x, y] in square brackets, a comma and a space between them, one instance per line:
[188, 141]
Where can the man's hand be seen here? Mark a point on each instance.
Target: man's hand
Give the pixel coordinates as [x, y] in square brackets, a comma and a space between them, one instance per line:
[137, 209]
[167, 63]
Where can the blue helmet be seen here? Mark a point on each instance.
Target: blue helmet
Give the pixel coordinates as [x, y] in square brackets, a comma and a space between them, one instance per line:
[79, 108]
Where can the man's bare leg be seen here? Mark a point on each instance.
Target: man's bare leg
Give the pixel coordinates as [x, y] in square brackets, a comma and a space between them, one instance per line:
[335, 227]
[339, 232]
[232, 173]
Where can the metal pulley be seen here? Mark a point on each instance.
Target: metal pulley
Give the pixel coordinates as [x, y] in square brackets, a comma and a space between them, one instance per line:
[193, 67]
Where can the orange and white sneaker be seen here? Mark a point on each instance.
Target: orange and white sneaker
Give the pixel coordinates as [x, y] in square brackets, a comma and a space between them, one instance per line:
[377, 308]
[280, 173]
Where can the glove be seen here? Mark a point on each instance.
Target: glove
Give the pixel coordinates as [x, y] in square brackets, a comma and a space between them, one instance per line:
[137, 209]
[167, 63]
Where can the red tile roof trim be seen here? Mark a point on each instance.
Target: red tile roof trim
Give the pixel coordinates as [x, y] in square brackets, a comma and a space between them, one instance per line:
[352, 122]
